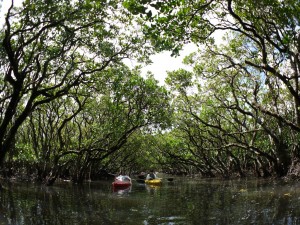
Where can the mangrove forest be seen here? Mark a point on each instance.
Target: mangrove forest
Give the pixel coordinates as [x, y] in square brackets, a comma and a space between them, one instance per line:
[72, 108]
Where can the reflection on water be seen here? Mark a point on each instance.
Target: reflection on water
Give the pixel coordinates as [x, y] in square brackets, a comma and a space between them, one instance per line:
[122, 190]
[183, 201]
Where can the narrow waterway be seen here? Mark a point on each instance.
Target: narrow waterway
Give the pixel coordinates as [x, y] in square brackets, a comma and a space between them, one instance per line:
[183, 201]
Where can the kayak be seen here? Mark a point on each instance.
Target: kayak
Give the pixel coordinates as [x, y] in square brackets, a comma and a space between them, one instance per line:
[117, 184]
[121, 184]
[140, 181]
[154, 181]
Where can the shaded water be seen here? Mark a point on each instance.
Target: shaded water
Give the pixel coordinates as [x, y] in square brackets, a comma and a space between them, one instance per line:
[184, 201]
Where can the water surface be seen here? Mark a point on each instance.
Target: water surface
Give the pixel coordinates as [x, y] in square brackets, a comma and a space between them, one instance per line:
[183, 201]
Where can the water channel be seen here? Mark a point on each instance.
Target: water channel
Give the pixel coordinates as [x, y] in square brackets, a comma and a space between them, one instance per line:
[183, 201]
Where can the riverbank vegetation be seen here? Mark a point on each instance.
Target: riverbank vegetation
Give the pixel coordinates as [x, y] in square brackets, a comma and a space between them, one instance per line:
[71, 108]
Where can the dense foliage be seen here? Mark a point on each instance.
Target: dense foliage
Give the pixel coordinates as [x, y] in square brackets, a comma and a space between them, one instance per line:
[238, 110]
[70, 107]
[67, 100]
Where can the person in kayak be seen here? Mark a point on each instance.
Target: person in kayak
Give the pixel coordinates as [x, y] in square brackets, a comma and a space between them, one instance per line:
[123, 178]
[151, 175]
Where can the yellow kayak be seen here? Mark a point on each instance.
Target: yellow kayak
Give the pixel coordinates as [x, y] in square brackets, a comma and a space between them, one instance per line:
[154, 181]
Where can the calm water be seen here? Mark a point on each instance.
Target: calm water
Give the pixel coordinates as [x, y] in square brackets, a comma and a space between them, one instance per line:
[184, 201]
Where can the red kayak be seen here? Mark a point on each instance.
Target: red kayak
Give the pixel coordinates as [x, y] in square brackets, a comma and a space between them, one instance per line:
[122, 182]
[118, 183]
